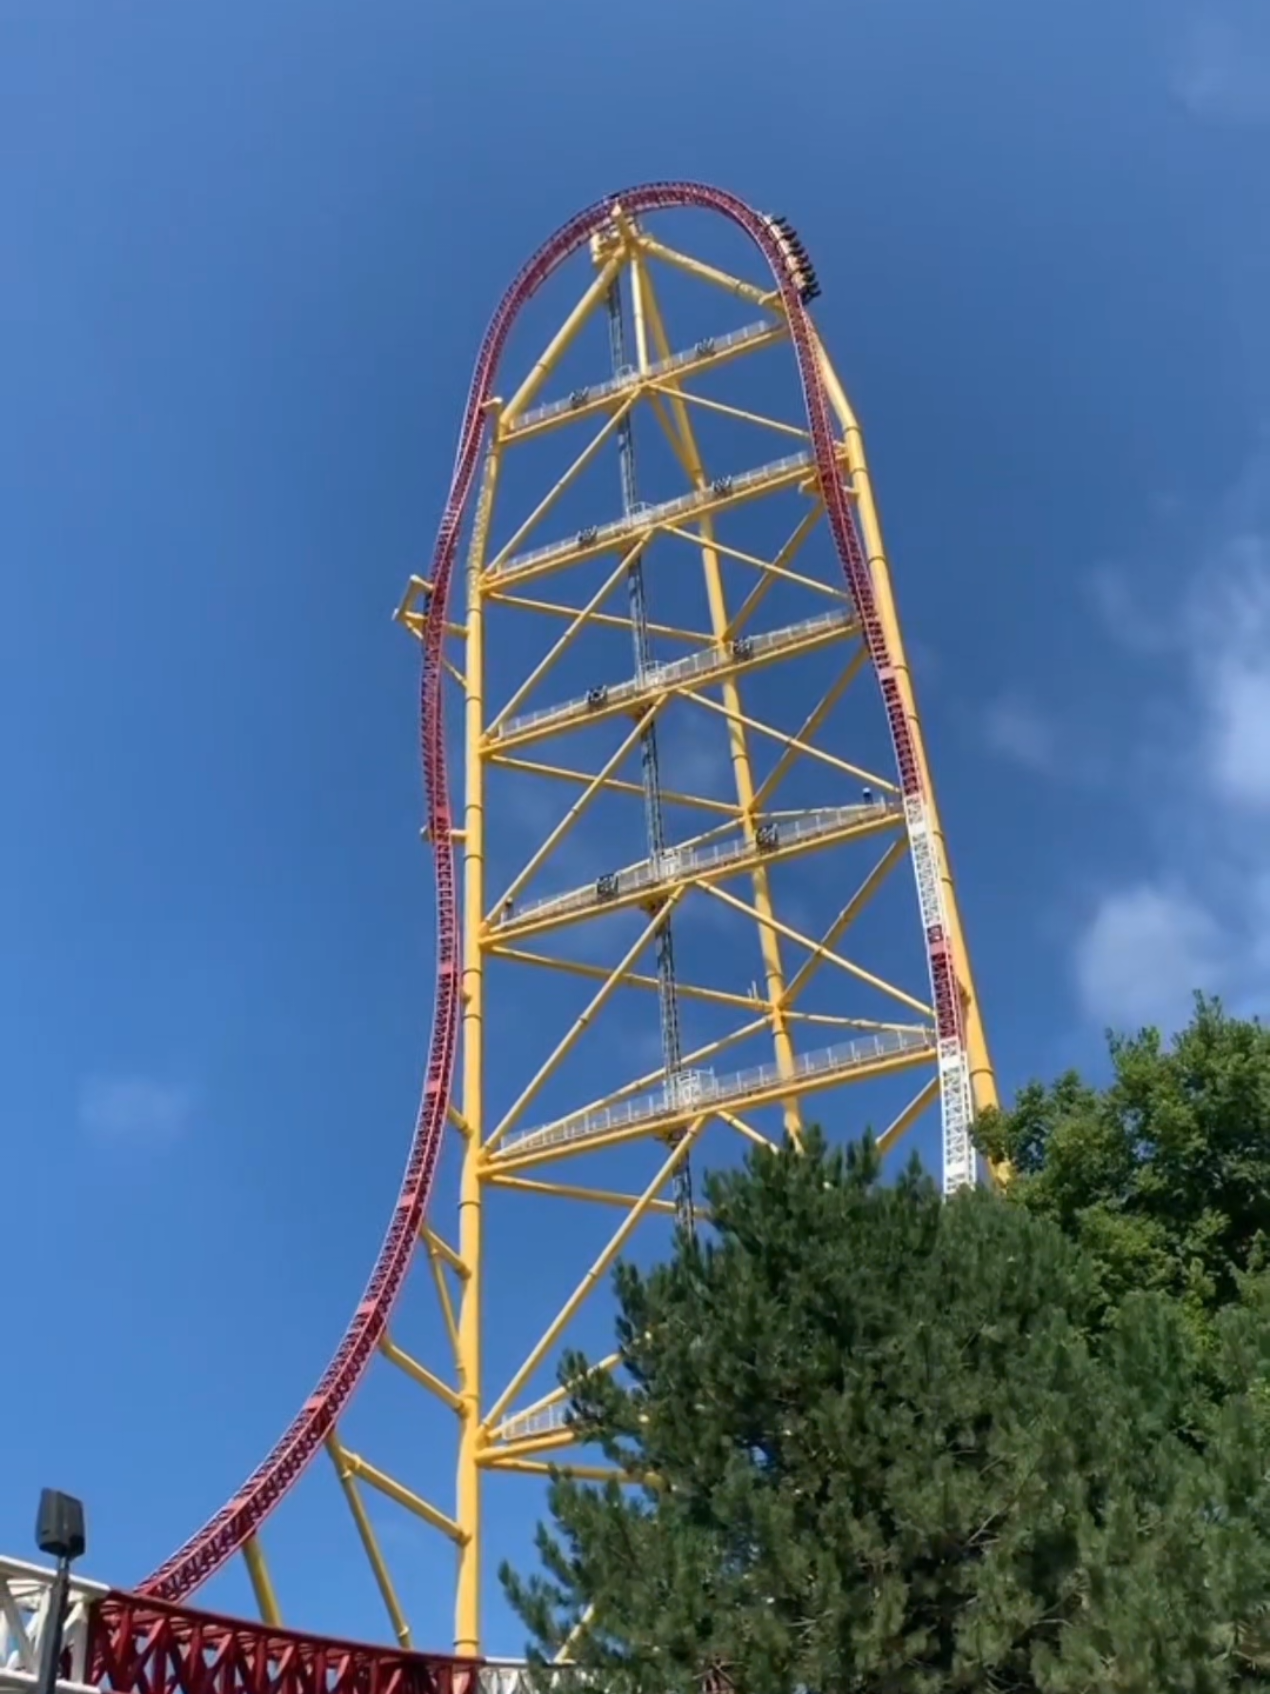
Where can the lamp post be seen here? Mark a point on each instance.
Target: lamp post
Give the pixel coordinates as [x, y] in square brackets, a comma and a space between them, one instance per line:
[59, 1532]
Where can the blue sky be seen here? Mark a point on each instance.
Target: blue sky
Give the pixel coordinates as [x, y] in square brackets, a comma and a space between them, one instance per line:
[249, 255]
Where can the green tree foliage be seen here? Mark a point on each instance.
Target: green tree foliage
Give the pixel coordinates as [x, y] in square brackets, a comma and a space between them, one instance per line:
[879, 1452]
[1164, 1175]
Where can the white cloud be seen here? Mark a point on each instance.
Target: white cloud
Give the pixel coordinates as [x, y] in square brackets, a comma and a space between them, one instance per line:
[1221, 65]
[1233, 667]
[1144, 952]
[1199, 915]
[1018, 732]
[134, 1111]
[1241, 732]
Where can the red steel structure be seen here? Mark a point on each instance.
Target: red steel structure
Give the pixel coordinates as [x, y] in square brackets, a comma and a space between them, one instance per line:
[149, 1641]
[146, 1647]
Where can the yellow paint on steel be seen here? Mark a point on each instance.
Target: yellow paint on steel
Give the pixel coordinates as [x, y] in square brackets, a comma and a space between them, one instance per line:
[572, 1191]
[670, 796]
[369, 1540]
[467, 1624]
[421, 1374]
[500, 1435]
[363, 1471]
[559, 344]
[583, 1473]
[261, 1582]
[630, 979]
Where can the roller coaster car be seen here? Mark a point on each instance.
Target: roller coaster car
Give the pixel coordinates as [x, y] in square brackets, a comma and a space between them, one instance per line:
[579, 397]
[595, 698]
[721, 485]
[801, 270]
[606, 887]
[587, 536]
[742, 647]
[767, 836]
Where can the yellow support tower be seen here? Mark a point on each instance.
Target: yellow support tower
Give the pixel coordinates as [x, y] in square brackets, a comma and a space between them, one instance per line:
[671, 735]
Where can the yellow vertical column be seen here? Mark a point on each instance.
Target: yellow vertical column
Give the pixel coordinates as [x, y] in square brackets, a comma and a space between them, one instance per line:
[982, 1079]
[473, 1435]
[261, 1581]
[467, 1619]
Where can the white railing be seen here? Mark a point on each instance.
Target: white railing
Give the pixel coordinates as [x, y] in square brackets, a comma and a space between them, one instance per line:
[513, 1676]
[694, 668]
[542, 1420]
[709, 348]
[601, 536]
[677, 864]
[25, 1595]
[703, 1088]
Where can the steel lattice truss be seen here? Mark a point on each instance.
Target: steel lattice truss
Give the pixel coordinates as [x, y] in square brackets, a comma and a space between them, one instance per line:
[128, 1645]
[674, 773]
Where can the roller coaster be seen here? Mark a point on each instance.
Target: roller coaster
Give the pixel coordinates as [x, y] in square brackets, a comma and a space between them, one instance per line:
[665, 906]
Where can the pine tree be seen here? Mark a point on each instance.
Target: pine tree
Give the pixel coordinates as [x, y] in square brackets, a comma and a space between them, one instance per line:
[876, 1450]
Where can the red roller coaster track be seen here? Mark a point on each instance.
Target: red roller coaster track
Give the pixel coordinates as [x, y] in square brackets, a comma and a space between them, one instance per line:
[226, 1533]
[149, 1647]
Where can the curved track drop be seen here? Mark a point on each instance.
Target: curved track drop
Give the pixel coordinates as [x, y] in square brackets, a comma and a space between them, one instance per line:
[679, 820]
